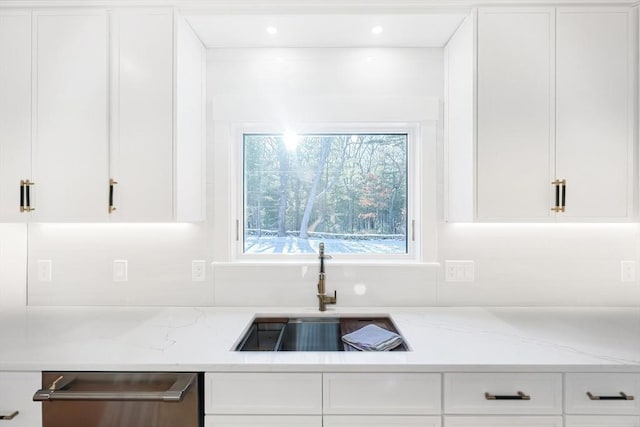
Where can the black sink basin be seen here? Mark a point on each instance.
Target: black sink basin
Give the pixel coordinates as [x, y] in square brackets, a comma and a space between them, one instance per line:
[306, 333]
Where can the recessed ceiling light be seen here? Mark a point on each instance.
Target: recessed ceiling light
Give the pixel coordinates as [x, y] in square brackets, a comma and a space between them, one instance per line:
[377, 30]
[272, 30]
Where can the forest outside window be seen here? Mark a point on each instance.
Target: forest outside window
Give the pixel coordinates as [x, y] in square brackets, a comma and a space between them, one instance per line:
[346, 190]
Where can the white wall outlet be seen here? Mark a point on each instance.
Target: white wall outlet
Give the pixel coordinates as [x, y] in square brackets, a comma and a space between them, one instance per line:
[198, 270]
[120, 270]
[459, 271]
[44, 268]
[628, 271]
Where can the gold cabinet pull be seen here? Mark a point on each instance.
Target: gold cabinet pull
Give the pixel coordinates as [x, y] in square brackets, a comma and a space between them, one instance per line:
[8, 415]
[112, 182]
[25, 195]
[518, 396]
[621, 396]
[561, 195]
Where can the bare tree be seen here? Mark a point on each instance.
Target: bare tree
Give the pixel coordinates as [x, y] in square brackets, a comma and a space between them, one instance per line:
[306, 217]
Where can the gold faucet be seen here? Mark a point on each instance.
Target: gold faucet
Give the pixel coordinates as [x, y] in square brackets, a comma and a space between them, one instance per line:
[323, 298]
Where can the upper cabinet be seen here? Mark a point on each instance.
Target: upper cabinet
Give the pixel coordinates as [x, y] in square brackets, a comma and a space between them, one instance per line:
[552, 130]
[15, 112]
[515, 113]
[157, 83]
[594, 111]
[106, 116]
[70, 116]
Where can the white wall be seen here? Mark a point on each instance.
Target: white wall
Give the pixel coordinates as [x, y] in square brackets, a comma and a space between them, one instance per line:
[516, 264]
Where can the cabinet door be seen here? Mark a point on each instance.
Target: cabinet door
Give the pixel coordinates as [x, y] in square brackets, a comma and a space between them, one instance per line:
[142, 115]
[264, 393]
[16, 392]
[263, 421]
[594, 104]
[380, 421]
[381, 393]
[601, 421]
[515, 85]
[70, 146]
[15, 111]
[502, 421]
[602, 393]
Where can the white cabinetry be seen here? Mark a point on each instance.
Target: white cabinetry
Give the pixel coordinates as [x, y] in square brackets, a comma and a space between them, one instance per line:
[142, 114]
[613, 394]
[554, 116]
[15, 110]
[263, 393]
[601, 421]
[515, 113]
[380, 421]
[503, 422]
[157, 123]
[70, 115]
[262, 421]
[16, 392]
[594, 107]
[90, 96]
[382, 393]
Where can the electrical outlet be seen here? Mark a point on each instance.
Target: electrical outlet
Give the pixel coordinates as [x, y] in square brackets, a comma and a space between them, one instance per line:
[44, 270]
[459, 271]
[198, 270]
[120, 270]
[628, 271]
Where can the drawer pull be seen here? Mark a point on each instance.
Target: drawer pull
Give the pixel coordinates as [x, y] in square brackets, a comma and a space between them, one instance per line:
[519, 396]
[622, 396]
[8, 415]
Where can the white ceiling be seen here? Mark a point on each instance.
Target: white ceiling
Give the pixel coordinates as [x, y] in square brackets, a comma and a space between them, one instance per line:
[416, 30]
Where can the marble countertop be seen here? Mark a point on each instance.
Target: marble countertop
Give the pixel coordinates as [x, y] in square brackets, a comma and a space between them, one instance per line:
[201, 339]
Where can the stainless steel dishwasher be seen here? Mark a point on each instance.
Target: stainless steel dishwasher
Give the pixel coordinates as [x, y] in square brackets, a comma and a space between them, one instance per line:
[121, 399]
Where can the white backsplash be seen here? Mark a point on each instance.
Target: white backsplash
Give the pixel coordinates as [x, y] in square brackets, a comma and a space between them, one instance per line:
[515, 264]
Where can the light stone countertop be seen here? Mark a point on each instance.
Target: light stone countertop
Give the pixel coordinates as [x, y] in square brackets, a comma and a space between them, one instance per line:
[201, 338]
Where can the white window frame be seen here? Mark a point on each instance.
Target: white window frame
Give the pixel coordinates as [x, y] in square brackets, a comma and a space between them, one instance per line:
[415, 166]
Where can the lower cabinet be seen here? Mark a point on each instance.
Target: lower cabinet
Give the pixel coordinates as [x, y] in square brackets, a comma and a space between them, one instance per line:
[380, 421]
[601, 421]
[481, 421]
[262, 421]
[17, 407]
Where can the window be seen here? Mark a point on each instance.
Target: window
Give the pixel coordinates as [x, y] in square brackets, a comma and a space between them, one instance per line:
[348, 190]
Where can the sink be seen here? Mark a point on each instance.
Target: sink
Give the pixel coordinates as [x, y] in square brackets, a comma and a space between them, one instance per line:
[307, 333]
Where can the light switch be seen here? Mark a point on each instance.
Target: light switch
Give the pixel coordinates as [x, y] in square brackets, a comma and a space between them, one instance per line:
[459, 271]
[44, 268]
[198, 270]
[628, 271]
[120, 270]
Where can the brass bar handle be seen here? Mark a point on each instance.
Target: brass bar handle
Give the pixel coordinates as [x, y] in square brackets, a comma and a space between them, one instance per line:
[519, 396]
[174, 394]
[8, 415]
[112, 182]
[621, 396]
[561, 195]
[22, 206]
[25, 195]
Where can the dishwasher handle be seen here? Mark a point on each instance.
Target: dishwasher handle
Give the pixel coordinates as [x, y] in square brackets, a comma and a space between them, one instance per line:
[174, 394]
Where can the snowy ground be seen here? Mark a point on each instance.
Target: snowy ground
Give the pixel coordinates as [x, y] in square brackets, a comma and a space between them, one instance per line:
[295, 245]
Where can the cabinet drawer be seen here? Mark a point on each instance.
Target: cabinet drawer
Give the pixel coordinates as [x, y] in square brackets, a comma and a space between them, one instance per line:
[263, 420]
[381, 393]
[601, 421]
[502, 421]
[380, 421]
[263, 393]
[16, 392]
[490, 393]
[607, 394]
